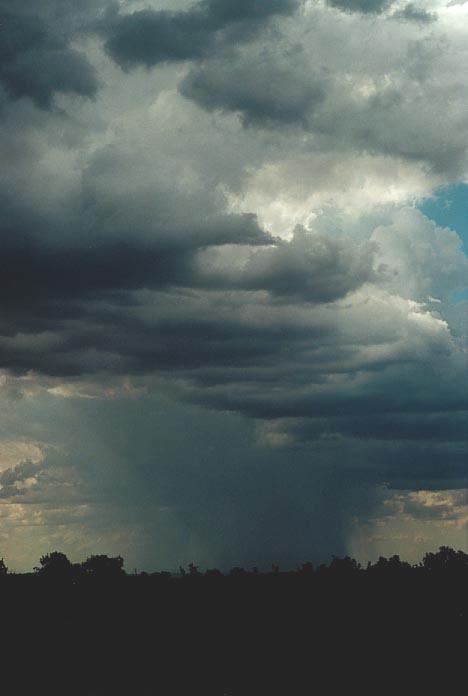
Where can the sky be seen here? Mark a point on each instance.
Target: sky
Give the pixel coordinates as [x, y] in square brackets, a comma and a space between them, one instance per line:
[233, 320]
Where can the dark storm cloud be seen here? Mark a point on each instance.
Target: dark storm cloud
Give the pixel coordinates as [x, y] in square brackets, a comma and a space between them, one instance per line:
[74, 304]
[417, 465]
[66, 16]
[262, 89]
[128, 278]
[199, 487]
[364, 6]
[106, 238]
[203, 490]
[449, 426]
[222, 12]
[36, 60]
[267, 402]
[70, 274]
[182, 335]
[149, 37]
[194, 480]
[121, 261]
[40, 261]
[414, 465]
[311, 267]
[413, 13]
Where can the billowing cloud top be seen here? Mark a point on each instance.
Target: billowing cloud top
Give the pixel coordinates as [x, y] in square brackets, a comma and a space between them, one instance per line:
[211, 224]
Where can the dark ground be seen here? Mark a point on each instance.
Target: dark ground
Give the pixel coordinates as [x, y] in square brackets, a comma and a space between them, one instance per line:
[95, 631]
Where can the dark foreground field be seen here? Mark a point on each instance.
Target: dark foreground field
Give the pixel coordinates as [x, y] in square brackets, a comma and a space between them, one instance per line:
[91, 630]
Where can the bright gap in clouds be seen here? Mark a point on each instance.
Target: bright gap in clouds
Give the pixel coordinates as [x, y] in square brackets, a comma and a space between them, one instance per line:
[448, 207]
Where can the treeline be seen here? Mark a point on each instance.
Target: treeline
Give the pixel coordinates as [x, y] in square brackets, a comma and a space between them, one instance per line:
[91, 629]
[57, 566]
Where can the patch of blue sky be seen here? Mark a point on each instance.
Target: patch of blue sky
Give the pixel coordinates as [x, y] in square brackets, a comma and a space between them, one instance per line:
[448, 207]
[460, 295]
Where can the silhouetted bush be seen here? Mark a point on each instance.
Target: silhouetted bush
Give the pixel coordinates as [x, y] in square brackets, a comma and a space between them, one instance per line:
[104, 567]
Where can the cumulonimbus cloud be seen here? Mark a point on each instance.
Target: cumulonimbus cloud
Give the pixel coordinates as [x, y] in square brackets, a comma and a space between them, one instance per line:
[135, 252]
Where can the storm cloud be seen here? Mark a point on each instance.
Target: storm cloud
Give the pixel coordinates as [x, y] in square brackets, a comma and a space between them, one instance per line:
[413, 13]
[364, 6]
[227, 332]
[263, 90]
[37, 60]
[369, 109]
[149, 37]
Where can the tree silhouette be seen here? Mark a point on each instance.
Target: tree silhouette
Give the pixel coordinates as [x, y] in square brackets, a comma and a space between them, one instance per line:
[445, 559]
[55, 565]
[392, 565]
[104, 567]
[344, 566]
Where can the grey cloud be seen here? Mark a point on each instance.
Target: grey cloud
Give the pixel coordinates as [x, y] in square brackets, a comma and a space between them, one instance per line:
[263, 89]
[311, 267]
[17, 474]
[297, 370]
[364, 6]
[398, 464]
[73, 270]
[442, 426]
[67, 16]
[76, 265]
[149, 37]
[434, 466]
[53, 480]
[35, 269]
[175, 332]
[264, 352]
[222, 12]
[423, 260]
[341, 103]
[282, 87]
[272, 401]
[38, 62]
[413, 13]
[111, 284]
[370, 125]
[109, 234]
